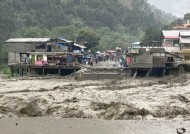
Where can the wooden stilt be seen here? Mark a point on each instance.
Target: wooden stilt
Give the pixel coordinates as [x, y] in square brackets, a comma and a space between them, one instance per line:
[43, 71]
[135, 74]
[59, 72]
[148, 73]
[20, 71]
[12, 72]
[29, 71]
[17, 70]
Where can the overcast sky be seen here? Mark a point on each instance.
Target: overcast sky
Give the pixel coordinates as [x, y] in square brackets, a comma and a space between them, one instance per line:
[176, 7]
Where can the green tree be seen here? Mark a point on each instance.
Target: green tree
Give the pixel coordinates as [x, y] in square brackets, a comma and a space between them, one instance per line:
[151, 34]
[187, 17]
[89, 38]
[3, 54]
[124, 19]
[68, 32]
[32, 32]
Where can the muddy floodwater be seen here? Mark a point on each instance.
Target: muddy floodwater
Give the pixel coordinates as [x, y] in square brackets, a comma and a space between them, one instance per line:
[148, 98]
[142, 99]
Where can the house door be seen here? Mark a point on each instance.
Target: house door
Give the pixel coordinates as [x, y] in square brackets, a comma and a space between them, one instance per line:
[48, 48]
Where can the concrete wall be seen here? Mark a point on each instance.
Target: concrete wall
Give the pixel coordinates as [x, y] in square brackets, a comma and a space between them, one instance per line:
[172, 49]
[185, 46]
[184, 60]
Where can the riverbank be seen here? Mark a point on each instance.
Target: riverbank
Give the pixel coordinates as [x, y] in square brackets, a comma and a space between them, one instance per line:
[84, 126]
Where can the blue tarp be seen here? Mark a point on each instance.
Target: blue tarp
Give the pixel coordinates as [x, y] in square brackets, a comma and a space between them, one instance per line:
[60, 45]
[69, 58]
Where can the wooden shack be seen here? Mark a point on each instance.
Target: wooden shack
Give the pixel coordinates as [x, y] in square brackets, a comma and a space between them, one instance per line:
[156, 61]
[18, 47]
[41, 56]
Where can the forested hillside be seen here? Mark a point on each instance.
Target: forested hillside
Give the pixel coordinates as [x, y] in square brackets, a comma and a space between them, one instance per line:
[110, 23]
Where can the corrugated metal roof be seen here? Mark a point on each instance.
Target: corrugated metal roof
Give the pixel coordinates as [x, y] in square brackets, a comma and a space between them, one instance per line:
[27, 40]
[171, 33]
[185, 40]
[68, 41]
[137, 43]
[157, 50]
[175, 33]
[185, 33]
[175, 55]
[79, 45]
[63, 39]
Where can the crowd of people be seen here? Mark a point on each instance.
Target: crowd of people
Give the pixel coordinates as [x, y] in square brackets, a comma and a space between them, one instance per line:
[91, 59]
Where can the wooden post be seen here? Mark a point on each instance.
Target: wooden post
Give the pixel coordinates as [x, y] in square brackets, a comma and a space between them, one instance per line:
[181, 70]
[20, 71]
[39, 71]
[12, 71]
[29, 71]
[43, 71]
[17, 71]
[59, 71]
[20, 58]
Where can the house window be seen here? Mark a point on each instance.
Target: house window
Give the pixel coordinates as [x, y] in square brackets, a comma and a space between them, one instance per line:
[158, 59]
[187, 57]
[168, 42]
[176, 43]
[40, 46]
[171, 43]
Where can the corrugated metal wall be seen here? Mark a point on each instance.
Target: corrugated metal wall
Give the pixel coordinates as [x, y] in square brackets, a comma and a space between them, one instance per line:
[13, 58]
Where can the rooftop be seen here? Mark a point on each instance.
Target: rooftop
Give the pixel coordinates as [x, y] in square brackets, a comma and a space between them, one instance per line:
[186, 25]
[79, 46]
[185, 33]
[157, 50]
[171, 33]
[27, 40]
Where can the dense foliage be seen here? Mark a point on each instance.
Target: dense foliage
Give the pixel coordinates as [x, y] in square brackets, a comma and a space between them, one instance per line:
[104, 24]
